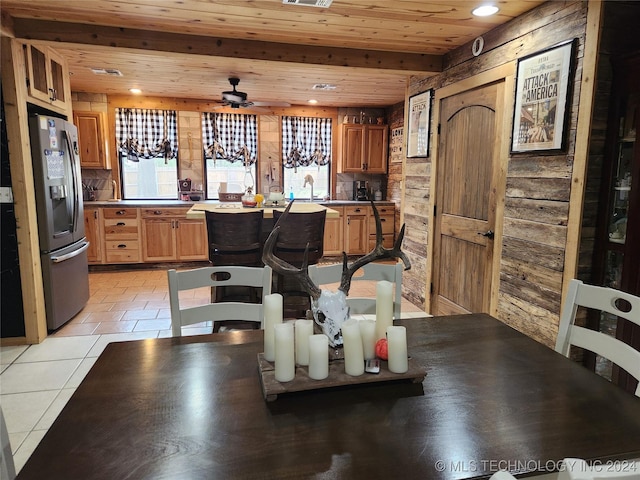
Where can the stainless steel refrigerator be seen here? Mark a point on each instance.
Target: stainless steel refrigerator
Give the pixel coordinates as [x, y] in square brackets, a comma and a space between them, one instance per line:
[58, 189]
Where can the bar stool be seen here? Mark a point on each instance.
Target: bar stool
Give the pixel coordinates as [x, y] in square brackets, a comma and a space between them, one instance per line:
[234, 239]
[298, 230]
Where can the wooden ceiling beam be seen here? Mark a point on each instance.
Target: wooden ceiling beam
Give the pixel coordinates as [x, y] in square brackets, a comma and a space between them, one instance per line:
[76, 33]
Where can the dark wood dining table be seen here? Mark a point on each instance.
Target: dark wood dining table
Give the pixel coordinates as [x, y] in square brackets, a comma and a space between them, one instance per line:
[192, 408]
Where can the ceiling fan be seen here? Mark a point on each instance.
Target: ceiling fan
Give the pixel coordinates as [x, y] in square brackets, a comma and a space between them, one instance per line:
[236, 99]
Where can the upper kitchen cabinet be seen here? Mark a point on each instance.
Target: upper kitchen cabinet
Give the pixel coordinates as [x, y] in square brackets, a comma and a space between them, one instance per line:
[92, 138]
[363, 148]
[47, 76]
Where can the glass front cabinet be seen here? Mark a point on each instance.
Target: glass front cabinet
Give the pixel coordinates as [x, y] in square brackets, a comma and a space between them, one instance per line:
[617, 259]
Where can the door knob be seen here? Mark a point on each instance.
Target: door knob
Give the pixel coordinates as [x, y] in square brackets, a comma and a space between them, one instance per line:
[489, 234]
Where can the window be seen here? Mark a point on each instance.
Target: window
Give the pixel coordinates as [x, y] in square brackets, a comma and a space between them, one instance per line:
[148, 153]
[306, 156]
[230, 149]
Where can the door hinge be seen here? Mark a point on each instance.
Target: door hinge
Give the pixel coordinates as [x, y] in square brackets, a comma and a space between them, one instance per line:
[431, 288]
[438, 129]
[435, 209]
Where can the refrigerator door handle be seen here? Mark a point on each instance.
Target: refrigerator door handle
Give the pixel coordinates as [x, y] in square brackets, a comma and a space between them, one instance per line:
[70, 255]
[75, 176]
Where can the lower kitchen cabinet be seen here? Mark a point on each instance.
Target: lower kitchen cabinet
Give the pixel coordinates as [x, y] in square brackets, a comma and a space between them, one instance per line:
[387, 222]
[93, 232]
[356, 230]
[167, 235]
[333, 243]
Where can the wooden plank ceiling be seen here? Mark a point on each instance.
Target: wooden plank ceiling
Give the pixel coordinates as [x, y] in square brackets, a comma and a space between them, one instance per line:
[189, 48]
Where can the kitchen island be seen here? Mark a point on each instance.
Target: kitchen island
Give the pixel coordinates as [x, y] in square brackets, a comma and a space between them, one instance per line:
[197, 211]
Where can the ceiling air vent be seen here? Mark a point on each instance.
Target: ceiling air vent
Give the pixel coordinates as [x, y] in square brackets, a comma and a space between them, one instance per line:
[107, 71]
[323, 86]
[309, 3]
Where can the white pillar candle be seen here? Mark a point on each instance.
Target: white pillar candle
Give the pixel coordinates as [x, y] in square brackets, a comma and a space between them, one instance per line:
[384, 308]
[353, 354]
[273, 315]
[303, 330]
[397, 344]
[285, 346]
[318, 356]
[368, 335]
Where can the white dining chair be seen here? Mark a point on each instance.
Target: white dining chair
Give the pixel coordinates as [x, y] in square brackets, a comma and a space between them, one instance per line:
[606, 300]
[328, 274]
[184, 313]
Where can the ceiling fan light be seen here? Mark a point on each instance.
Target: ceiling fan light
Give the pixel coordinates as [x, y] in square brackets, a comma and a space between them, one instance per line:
[485, 10]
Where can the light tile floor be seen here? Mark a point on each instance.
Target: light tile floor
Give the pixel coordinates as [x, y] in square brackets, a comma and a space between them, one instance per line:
[37, 381]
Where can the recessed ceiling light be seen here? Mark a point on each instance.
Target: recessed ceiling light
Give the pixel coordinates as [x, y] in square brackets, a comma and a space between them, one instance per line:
[135, 91]
[313, 101]
[485, 10]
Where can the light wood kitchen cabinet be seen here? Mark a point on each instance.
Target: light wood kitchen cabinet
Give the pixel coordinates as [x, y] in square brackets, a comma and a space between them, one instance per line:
[121, 228]
[356, 230]
[93, 232]
[387, 221]
[363, 148]
[92, 138]
[333, 243]
[47, 77]
[167, 235]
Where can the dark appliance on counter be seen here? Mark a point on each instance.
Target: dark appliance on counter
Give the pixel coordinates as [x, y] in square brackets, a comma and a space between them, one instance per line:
[58, 188]
[361, 190]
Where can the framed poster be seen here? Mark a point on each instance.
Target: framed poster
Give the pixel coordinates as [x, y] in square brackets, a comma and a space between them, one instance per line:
[419, 120]
[542, 87]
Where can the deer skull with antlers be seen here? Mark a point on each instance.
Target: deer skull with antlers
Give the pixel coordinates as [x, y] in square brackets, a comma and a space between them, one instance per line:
[330, 308]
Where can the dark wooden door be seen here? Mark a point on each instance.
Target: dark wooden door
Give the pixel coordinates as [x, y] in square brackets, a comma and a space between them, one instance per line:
[465, 201]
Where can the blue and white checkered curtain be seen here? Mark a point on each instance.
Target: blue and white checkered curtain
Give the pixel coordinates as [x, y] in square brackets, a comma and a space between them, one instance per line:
[230, 136]
[306, 140]
[143, 133]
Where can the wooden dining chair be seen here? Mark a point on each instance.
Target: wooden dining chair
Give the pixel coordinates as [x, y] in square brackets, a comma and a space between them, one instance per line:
[184, 312]
[327, 274]
[605, 300]
[299, 233]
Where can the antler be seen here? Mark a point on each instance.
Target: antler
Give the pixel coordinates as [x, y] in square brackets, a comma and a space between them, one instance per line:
[284, 268]
[377, 253]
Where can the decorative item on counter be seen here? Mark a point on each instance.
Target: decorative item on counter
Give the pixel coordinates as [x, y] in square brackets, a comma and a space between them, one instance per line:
[353, 354]
[384, 308]
[303, 330]
[318, 357]
[259, 199]
[368, 335]
[397, 344]
[273, 315]
[249, 199]
[285, 366]
[380, 120]
[378, 194]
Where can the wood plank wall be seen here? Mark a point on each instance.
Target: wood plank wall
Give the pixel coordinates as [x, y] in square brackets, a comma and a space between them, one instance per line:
[538, 185]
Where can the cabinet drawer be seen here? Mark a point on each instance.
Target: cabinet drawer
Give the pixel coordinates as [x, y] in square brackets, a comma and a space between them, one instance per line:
[356, 210]
[163, 212]
[122, 251]
[387, 222]
[120, 213]
[390, 210]
[121, 245]
[121, 229]
[387, 241]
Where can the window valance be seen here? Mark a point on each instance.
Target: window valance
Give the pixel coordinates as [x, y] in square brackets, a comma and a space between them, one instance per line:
[305, 141]
[145, 133]
[230, 136]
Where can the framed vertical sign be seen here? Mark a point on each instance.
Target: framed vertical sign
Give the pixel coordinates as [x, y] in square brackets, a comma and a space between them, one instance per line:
[418, 131]
[542, 87]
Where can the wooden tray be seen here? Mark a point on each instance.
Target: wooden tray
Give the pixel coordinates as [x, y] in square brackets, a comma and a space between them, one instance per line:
[271, 388]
